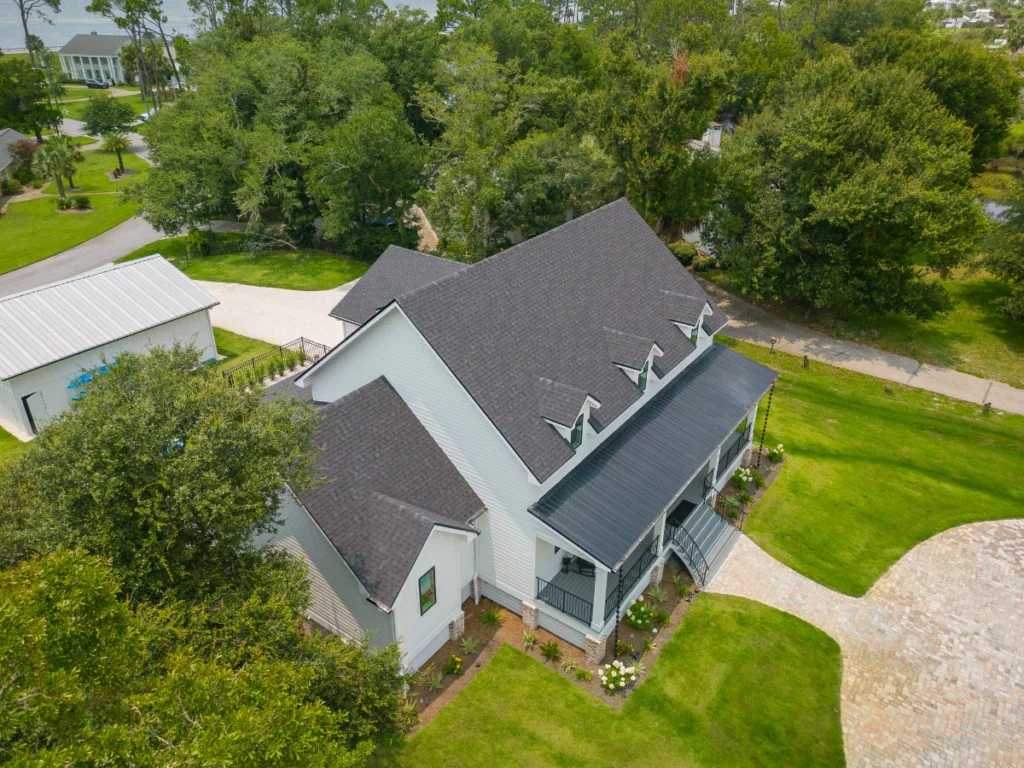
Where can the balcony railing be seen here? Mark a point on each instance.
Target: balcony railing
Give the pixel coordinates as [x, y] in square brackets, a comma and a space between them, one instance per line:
[566, 602]
[628, 579]
[693, 557]
[738, 441]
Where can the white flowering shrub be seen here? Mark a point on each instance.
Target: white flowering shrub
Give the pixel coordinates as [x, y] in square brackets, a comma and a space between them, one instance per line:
[776, 453]
[616, 676]
[743, 477]
[640, 615]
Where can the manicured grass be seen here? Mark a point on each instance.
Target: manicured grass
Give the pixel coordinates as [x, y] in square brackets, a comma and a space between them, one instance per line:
[10, 446]
[91, 173]
[740, 684]
[82, 92]
[33, 230]
[236, 348]
[300, 270]
[869, 475]
[76, 110]
[973, 337]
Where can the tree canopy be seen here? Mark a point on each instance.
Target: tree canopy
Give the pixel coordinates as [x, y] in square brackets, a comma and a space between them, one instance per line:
[105, 114]
[842, 193]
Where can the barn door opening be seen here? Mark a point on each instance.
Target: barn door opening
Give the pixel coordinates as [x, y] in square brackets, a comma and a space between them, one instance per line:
[35, 409]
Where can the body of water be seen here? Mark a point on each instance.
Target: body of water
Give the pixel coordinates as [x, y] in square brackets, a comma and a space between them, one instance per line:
[75, 20]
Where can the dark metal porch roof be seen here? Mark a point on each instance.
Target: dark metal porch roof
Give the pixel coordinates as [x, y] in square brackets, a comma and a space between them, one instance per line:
[607, 503]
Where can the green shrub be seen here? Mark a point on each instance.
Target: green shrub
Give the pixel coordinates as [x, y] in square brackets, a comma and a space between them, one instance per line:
[468, 644]
[776, 453]
[731, 506]
[583, 675]
[435, 680]
[492, 617]
[529, 639]
[742, 477]
[648, 644]
[703, 263]
[622, 648]
[639, 615]
[682, 585]
[662, 618]
[82, 202]
[568, 665]
[759, 480]
[683, 251]
[199, 242]
[746, 497]
[453, 666]
[10, 187]
[657, 594]
[616, 676]
[551, 652]
[641, 670]
[64, 204]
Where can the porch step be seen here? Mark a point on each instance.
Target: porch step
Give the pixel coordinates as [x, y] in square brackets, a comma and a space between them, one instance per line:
[714, 536]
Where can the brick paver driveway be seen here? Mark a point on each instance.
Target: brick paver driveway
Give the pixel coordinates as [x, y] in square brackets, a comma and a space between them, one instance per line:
[933, 654]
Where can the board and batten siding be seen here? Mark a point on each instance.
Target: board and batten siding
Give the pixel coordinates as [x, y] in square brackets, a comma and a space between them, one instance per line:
[391, 346]
[51, 381]
[338, 601]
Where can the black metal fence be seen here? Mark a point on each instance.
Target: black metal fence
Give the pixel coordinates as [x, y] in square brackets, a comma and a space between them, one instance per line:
[691, 551]
[297, 351]
[565, 601]
[629, 578]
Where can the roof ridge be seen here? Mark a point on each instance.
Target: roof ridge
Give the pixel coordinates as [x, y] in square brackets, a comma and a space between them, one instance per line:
[91, 273]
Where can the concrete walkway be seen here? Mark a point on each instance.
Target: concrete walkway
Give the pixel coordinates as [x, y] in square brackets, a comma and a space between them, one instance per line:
[277, 315]
[933, 654]
[752, 324]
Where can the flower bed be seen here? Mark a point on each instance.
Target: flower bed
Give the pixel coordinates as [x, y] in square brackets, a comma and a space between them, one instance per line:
[748, 484]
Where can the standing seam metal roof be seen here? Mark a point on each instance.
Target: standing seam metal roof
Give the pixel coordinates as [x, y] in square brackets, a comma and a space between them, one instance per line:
[607, 503]
[56, 321]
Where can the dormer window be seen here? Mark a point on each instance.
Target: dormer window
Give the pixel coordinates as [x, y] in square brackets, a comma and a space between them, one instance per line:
[694, 334]
[576, 436]
[642, 379]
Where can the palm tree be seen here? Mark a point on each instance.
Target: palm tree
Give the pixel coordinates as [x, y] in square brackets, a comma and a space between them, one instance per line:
[57, 157]
[116, 142]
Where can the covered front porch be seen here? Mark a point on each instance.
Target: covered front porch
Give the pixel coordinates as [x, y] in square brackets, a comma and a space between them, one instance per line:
[644, 494]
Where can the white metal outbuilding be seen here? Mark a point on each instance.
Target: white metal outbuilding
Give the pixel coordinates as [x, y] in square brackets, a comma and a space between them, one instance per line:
[53, 335]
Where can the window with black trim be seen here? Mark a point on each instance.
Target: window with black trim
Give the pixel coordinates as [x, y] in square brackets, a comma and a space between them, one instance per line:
[642, 379]
[428, 591]
[576, 438]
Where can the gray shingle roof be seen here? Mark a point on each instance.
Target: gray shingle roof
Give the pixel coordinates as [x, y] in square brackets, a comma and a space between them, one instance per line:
[558, 402]
[396, 271]
[95, 45]
[627, 349]
[539, 310]
[386, 485]
[607, 503]
[8, 136]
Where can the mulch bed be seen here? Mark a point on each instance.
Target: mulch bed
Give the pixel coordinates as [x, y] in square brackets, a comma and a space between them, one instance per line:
[74, 210]
[572, 658]
[123, 175]
[768, 469]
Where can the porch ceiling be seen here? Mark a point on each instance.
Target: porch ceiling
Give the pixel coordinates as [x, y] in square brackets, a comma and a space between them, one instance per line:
[607, 503]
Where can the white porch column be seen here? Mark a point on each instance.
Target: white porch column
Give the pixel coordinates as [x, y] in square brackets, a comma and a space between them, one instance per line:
[661, 533]
[600, 592]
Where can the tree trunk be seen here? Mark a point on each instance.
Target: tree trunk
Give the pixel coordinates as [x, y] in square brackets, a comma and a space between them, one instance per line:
[71, 181]
[120, 161]
[39, 136]
[170, 58]
[24, 26]
[60, 184]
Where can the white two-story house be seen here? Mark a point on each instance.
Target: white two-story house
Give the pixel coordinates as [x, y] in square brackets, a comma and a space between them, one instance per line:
[544, 428]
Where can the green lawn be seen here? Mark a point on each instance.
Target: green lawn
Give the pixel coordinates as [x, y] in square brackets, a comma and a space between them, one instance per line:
[973, 337]
[301, 270]
[236, 348]
[869, 475]
[91, 175]
[740, 684]
[33, 230]
[72, 92]
[10, 446]
[76, 110]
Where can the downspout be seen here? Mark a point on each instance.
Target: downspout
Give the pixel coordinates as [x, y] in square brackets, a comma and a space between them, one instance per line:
[476, 570]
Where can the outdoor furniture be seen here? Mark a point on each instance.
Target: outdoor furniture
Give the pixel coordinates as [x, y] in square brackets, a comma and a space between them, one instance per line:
[584, 568]
[566, 562]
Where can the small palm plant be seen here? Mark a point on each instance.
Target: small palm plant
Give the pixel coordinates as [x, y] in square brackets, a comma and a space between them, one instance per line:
[116, 142]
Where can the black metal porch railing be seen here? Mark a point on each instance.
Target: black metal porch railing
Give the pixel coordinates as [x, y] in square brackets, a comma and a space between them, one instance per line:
[567, 602]
[691, 551]
[708, 485]
[731, 451]
[305, 349]
[629, 578]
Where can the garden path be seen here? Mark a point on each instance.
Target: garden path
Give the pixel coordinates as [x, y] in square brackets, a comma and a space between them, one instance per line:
[757, 326]
[933, 654]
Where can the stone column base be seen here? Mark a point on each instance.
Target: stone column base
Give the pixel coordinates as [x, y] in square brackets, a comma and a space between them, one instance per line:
[713, 499]
[457, 627]
[595, 649]
[529, 615]
[657, 573]
[748, 455]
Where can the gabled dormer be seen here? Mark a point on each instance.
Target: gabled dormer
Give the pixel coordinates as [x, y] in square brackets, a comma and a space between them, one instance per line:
[688, 314]
[566, 408]
[633, 355]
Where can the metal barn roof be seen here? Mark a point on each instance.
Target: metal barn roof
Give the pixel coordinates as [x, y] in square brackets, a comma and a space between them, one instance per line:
[56, 321]
[607, 503]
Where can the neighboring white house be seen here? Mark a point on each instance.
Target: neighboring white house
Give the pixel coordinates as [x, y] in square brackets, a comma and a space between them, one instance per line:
[53, 338]
[94, 57]
[573, 383]
[8, 165]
